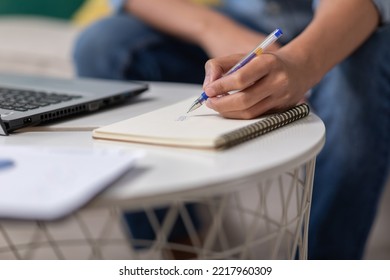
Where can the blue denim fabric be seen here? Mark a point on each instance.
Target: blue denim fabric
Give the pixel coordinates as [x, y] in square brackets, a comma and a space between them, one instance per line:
[121, 47]
[139, 227]
[353, 100]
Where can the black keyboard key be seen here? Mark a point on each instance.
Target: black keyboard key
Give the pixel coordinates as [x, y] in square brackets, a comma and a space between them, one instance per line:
[22, 100]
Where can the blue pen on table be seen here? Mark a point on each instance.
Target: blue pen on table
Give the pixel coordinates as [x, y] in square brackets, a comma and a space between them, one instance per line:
[269, 40]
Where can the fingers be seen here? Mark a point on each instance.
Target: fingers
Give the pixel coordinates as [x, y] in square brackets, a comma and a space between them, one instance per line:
[238, 101]
[215, 68]
[271, 84]
[271, 93]
[249, 74]
[270, 103]
[252, 112]
[266, 83]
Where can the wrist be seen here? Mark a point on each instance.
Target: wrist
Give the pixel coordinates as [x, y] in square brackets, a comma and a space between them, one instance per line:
[310, 65]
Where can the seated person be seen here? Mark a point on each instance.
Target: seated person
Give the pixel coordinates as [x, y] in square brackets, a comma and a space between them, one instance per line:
[338, 49]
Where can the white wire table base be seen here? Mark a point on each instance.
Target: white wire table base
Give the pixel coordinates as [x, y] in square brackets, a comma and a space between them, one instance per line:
[257, 220]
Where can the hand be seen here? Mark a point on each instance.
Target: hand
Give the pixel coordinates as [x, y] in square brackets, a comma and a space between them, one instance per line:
[269, 82]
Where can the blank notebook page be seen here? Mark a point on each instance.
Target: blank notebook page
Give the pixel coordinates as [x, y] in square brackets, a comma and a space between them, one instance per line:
[172, 126]
[202, 128]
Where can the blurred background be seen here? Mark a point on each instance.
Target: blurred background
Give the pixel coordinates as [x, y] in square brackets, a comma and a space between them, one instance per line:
[36, 37]
[57, 9]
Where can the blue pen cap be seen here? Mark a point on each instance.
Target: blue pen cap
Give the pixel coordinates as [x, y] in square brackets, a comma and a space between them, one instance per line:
[278, 32]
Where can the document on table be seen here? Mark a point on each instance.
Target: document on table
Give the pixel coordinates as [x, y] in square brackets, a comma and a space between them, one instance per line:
[49, 183]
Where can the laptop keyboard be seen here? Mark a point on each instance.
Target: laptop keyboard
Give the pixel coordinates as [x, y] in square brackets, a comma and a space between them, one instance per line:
[24, 100]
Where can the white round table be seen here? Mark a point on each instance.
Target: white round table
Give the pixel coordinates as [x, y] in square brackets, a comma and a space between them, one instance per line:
[254, 198]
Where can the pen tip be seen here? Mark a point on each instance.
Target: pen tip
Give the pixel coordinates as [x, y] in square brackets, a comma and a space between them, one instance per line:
[194, 106]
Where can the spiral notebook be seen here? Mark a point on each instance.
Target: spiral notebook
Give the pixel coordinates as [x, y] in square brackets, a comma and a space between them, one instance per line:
[202, 128]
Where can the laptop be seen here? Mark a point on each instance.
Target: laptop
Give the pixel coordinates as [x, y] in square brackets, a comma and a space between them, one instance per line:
[31, 100]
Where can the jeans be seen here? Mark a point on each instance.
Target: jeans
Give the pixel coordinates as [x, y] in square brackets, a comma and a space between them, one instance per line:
[121, 47]
[353, 100]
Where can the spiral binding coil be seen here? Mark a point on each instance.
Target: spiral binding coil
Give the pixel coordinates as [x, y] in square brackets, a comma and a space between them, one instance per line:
[263, 126]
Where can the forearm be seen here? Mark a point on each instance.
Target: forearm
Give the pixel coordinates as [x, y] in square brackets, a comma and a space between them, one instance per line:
[338, 28]
[179, 18]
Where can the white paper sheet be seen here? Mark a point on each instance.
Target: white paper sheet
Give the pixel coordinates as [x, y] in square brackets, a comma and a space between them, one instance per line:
[46, 183]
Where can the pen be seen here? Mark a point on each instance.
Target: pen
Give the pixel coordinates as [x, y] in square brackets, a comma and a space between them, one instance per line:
[269, 40]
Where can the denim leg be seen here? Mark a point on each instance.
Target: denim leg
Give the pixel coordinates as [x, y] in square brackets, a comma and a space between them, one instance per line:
[353, 100]
[169, 60]
[140, 228]
[103, 50]
[124, 48]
